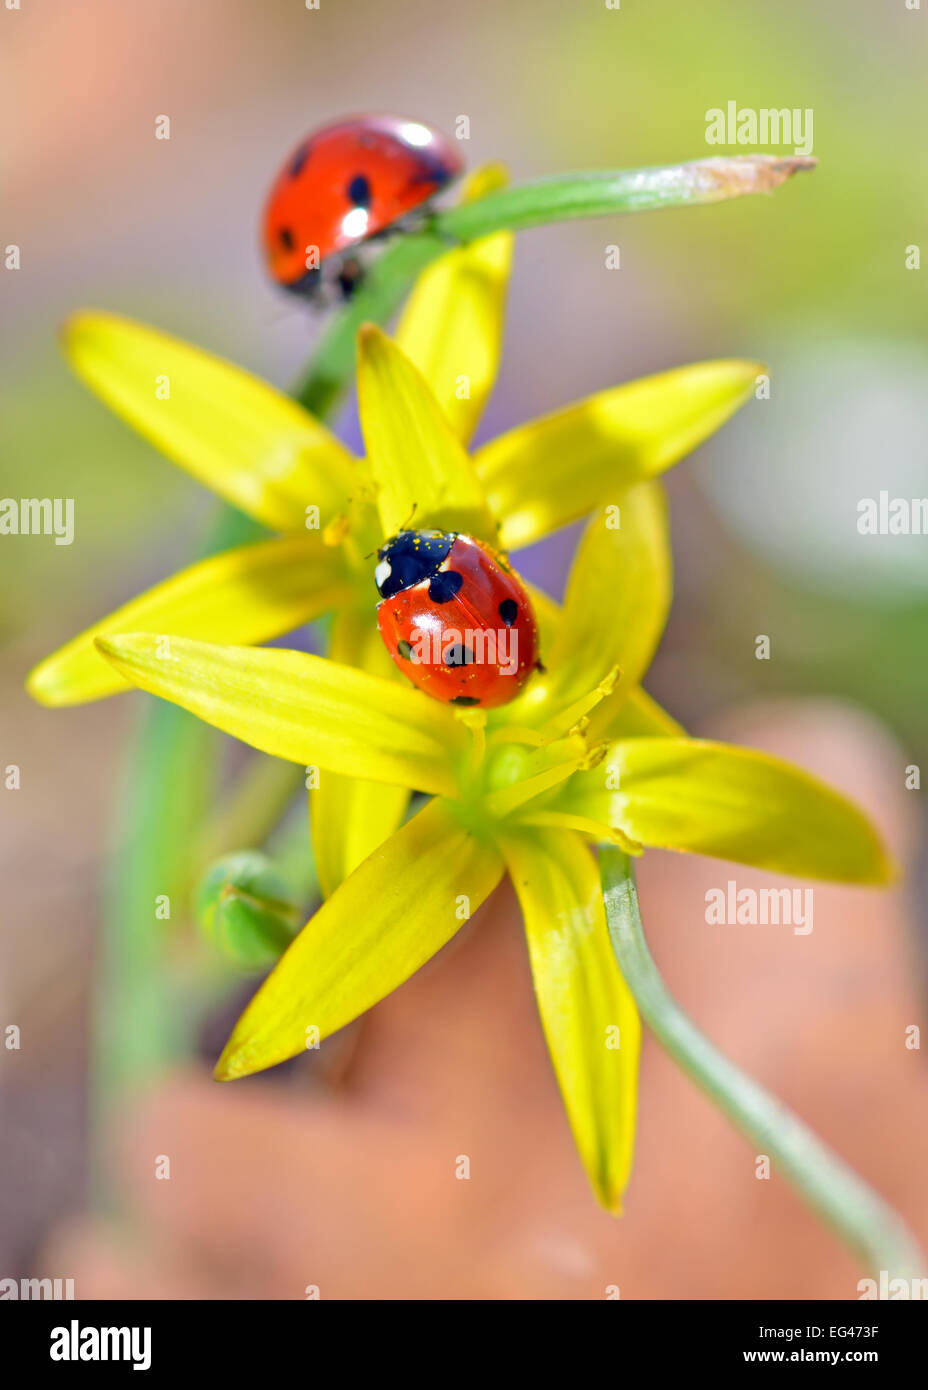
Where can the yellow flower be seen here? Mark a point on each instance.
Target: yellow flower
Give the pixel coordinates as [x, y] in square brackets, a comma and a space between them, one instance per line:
[261, 451]
[527, 788]
[583, 755]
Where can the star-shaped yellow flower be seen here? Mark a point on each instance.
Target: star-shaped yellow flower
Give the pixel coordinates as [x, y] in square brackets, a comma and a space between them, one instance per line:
[527, 788]
[582, 756]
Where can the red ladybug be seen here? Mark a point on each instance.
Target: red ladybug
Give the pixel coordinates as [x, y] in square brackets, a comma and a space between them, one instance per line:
[455, 618]
[344, 185]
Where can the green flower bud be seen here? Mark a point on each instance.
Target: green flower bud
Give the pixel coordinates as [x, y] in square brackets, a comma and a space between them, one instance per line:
[243, 909]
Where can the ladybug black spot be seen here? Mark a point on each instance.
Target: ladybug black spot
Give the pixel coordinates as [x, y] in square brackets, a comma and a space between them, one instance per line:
[299, 160]
[405, 649]
[359, 191]
[431, 169]
[509, 611]
[464, 700]
[458, 655]
[444, 585]
[285, 237]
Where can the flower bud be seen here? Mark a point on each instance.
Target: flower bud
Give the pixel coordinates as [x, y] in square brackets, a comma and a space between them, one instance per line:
[244, 911]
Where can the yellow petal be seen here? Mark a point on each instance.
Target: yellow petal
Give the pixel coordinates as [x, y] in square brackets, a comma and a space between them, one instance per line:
[394, 912]
[486, 179]
[618, 596]
[631, 714]
[419, 466]
[452, 325]
[732, 803]
[547, 615]
[351, 816]
[250, 444]
[519, 776]
[302, 708]
[535, 718]
[589, 1016]
[246, 595]
[563, 466]
[628, 712]
[593, 830]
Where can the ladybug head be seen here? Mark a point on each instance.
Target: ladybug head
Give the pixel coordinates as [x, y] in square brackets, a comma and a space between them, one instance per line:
[409, 557]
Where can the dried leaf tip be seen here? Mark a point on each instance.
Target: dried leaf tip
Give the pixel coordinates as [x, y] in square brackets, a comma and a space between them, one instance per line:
[754, 173]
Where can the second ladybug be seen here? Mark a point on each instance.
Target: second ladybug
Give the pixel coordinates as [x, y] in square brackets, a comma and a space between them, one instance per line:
[341, 187]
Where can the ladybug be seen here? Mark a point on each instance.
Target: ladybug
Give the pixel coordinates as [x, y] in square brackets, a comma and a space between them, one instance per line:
[343, 186]
[455, 618]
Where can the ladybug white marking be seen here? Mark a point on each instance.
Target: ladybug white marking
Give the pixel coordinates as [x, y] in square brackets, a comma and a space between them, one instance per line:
[382, 573]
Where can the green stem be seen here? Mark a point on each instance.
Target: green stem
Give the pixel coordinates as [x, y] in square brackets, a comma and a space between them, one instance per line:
[560, 199]
[857, 1214]
[141, 1024]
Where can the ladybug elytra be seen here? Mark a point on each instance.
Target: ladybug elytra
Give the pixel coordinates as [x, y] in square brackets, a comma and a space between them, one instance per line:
[341, 187]
[455, 619]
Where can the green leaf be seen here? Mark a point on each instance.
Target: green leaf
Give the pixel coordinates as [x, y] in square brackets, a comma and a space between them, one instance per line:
[560, 199]
[596, 194]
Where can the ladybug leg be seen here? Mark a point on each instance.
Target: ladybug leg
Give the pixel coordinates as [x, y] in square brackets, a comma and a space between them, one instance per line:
[349, 268]
[422, 219]
[431, 224]
[309, 287]
[347, 271]
[349, 276]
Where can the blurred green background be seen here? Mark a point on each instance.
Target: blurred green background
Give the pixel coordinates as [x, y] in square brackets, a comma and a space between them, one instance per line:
[812, 281]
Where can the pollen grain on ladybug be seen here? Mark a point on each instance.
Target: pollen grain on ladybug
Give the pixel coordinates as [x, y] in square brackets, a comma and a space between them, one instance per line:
[455, 618]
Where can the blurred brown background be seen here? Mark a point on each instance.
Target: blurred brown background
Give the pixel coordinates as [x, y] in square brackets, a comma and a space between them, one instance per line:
[812, 281]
